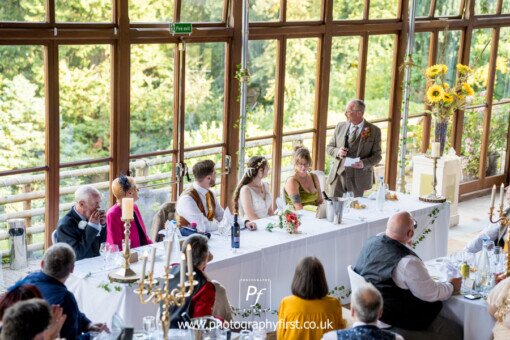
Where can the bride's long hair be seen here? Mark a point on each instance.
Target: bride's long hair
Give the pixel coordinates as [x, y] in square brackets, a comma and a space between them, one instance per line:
[254, 164]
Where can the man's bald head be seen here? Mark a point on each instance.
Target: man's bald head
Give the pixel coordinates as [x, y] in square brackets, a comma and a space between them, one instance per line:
[400, 227]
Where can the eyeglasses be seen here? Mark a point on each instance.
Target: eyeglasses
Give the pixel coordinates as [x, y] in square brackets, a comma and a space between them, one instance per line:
[352, 111]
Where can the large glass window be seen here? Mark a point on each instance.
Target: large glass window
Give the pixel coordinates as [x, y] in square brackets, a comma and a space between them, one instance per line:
[83, 11]
[447, 8]
[23, 197]
[418, 81]
[300, 10]
[268, 10]
[84, 79]
[344, 9]
[383, 9]
[485, 7]
[23, 10]
[205, 88]
[506, 6]
[343, 77]
[152, 97]
[378, 76]
[300, 75]
[151, 10]
[202, 10]
[423, 8]
[260, 94]
[22, 107]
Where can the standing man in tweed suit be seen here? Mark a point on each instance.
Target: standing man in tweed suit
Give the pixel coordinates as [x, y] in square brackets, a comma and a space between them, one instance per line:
[354, 138]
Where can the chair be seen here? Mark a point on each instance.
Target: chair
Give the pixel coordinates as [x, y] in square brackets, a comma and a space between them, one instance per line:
[165, 213]
[54, 237]
[355, 279]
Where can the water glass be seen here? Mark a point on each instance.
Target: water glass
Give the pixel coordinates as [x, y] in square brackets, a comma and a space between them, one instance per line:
[149, 324]
[245, 335]
[103, 250]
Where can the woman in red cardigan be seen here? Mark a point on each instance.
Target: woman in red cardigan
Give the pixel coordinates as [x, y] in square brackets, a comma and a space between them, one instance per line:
[125, 186]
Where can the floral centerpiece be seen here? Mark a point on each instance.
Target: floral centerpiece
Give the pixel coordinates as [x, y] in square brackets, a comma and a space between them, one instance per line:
[444, 99]
[288, 220]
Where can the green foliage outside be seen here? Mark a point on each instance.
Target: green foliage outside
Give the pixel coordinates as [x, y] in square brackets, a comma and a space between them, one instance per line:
[85, 83]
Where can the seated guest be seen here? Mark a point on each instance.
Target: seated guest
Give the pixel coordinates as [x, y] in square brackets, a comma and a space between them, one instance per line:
[205, 299]
[83, 227]
[26, 320]
[16, 294]
[412, 299]
[57, 264]
[122, 187]
[494, 232]
[252, 197]
[303, 188]
[309, 304]
[499, 307]
[198, 205]
[366, 309]
[26, 292]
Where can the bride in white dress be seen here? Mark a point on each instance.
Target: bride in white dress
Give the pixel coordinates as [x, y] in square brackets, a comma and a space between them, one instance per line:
[252, 198]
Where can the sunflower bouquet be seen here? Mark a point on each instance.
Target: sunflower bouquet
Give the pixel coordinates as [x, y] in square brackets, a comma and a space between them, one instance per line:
[441, 97]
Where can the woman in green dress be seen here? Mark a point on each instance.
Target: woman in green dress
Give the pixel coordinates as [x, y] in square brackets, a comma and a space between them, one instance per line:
[303, 187]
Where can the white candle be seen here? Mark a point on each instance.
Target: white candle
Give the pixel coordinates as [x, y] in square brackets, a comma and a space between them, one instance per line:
[493, 195]
[501, 194]
[183, 268]
[153, 260]
[127, 208]
[190, 260]
[435, 149]
[168, 252]
[144, 263]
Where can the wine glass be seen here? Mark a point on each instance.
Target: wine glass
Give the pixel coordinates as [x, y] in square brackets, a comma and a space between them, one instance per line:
[149, 324]
[114, 251]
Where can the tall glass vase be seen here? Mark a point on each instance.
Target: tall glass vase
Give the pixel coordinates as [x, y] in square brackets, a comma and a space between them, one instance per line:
[440, 129]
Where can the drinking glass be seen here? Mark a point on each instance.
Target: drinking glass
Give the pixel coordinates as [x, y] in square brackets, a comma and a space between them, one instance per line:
[103, 250]
[149, 324]
[245, 335]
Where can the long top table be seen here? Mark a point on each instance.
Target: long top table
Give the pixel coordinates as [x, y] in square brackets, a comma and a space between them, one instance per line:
[268, 257]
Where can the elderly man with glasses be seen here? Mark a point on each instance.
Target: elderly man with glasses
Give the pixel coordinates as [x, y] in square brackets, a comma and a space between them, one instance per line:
[354, 138]
[412, 299]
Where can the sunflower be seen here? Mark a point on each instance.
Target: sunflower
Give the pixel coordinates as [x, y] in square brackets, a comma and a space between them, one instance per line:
[433, 71]
[447, 98]
[444, 68]
[446, 86]
[435, 93]
[463, 69]
[467, 89]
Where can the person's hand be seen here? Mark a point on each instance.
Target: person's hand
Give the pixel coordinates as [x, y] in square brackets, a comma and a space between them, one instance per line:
[102, 216]
[98, 327]
[57, 320]
[342, 153]
[358, 165]
[251, 225]
[456, 282]
[95, 217]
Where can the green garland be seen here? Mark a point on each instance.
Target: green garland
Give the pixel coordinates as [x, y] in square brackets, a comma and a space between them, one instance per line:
[433, 215]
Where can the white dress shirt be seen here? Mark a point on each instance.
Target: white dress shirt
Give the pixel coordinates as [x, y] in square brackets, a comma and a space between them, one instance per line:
[188, 208]
[332, 335]
[96, 226]
[491, 232]
[412, 274]
[359, 126]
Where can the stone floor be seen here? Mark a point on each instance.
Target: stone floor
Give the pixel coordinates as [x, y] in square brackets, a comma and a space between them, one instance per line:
[473, 218]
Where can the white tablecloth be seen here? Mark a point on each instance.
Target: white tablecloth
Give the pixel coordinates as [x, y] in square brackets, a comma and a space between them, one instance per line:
[471, 314]
[268, 256]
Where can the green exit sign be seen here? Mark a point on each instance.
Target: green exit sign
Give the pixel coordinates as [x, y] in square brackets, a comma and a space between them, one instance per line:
[181, 28]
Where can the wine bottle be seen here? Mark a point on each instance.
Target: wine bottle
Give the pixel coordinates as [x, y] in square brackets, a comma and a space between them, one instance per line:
[235, 233]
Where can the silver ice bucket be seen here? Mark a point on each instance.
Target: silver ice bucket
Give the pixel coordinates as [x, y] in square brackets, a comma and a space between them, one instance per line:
[334, 208]
[18, 243]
